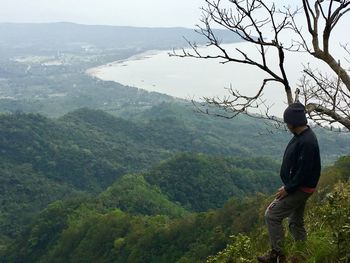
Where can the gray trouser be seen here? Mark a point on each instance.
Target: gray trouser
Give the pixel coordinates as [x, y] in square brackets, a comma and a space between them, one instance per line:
[292, 206]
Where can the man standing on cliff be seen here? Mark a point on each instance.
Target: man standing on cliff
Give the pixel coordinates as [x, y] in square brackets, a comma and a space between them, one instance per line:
[300, 172]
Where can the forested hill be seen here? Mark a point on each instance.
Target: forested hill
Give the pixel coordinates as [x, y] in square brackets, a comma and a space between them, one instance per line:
[86, 151]
[42, 160]
[239, 136]
[200, 183]
[95, 231]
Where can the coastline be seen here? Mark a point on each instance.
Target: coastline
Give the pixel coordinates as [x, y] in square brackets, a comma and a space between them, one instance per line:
[140, 56]
[195, 79]
[186, 78]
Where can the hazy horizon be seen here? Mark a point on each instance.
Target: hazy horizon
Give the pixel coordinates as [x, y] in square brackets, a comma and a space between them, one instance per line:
[93, 24]
[133, 13]
[138, 13]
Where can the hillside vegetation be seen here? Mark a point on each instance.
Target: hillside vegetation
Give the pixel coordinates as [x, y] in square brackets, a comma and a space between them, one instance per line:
[84, 152]
[200, 183]
[71, 232]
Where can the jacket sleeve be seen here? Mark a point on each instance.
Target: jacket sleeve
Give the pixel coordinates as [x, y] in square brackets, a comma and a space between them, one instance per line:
[303, 167]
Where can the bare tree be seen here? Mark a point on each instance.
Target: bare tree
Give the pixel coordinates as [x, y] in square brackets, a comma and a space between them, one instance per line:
[325, 95]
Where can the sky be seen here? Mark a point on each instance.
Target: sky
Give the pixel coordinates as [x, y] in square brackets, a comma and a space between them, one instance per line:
[142, 13]
[165, 13]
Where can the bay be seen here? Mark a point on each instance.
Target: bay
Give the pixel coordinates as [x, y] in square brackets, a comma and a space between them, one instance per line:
[193, 79]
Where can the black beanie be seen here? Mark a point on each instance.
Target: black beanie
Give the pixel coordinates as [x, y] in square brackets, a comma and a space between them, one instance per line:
[295, 115]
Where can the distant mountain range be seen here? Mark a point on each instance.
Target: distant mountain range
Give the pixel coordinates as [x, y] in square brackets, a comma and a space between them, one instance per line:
[70, 37]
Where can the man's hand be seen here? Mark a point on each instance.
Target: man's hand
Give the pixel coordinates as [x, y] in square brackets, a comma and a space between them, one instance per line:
[281, 193]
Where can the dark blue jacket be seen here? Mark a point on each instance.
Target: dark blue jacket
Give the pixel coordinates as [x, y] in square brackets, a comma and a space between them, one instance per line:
[301, 166]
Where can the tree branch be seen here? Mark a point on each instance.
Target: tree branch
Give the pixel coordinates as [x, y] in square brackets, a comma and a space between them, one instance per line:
[326, 97]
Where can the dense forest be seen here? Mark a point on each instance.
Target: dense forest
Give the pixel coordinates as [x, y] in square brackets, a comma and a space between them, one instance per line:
[86, 151]
[156, 174]
[80, 230]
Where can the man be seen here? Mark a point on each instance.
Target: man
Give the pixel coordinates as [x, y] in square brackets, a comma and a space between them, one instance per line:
[300, 172]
